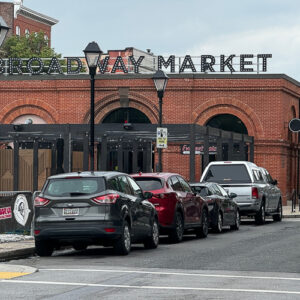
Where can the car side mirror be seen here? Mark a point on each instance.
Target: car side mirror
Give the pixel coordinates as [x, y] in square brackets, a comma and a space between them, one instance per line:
[274, 182]
[232, 195]
[147, 195]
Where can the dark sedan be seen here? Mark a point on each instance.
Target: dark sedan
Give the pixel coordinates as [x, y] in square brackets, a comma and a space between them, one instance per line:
[90, 208]
[223, 210]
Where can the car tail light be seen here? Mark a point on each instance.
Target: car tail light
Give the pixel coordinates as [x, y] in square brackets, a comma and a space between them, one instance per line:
[106, 199]
[36, 232]
[254, 193]
[39, 201]
[110, 229]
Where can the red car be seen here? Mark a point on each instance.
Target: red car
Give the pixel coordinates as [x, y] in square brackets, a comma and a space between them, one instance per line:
[179, 208]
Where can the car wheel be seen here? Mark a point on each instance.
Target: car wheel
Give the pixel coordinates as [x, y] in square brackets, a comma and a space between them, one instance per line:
[44, 248]
[80, 246]
[202, 232]
[123, 245]
[176, 234]
[237, 222]
[278, 217]
[260, 217]
[219, 226]
[152, 241]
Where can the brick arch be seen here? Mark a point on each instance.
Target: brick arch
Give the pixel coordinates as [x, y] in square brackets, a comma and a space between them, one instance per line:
[29, 107]
[246, 114]
[111, 102]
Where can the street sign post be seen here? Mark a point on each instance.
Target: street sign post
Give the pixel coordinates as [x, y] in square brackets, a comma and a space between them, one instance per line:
[161, 137]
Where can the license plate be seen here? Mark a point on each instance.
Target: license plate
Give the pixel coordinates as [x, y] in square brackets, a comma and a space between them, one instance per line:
[70, 211]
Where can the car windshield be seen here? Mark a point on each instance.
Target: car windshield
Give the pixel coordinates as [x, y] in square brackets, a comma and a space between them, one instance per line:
[149, 184]
[74, 186]
[227, 174]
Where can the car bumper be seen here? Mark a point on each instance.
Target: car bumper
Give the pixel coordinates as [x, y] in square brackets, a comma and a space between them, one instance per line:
[75, 231]
[249, 208]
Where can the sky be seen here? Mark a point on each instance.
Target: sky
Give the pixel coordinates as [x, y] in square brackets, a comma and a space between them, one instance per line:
[180, 27]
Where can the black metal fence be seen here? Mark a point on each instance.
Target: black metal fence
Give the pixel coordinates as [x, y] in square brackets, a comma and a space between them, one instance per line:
[128, 149]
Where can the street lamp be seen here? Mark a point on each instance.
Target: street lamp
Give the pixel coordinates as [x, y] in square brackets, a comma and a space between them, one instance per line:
[92, 54]
[3, 30]
[160, 80]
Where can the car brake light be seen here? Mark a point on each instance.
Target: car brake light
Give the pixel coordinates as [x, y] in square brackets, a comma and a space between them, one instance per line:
[254, 193]
[36, 232]
[106, 199]
[39, 201]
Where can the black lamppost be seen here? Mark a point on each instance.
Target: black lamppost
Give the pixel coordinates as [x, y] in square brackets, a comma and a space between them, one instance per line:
[160, 80]
[92, 54]
[3, 30]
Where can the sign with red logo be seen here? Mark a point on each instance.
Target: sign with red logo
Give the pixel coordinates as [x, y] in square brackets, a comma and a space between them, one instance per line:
[5, 213]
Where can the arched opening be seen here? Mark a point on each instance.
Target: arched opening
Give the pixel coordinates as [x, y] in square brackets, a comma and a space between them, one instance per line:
[126, 115]
[227, 122]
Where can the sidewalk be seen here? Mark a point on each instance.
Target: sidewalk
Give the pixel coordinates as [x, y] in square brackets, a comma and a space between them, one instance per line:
[20, 247]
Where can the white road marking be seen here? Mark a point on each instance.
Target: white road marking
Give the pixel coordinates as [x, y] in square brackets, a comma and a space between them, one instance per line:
[175, 273]
[152, 287]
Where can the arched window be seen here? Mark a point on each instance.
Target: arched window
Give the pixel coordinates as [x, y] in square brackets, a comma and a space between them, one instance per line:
[128, 114]
[227, 122]
[27, 32]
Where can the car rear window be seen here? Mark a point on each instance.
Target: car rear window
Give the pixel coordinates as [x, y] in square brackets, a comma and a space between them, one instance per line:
[149, 183]
[227, 174]
[74, 186]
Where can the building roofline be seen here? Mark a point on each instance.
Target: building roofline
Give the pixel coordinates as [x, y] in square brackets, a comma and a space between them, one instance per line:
[149, 76]
[29, 13]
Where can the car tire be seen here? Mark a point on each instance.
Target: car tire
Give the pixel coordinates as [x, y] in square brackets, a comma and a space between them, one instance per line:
[80, 246]
[44, 248]
[278, 217]
[123, 245]
[219, 226]
[202, 231]
[260, 217]
[153, 240]
[237, 222]
[176, 235]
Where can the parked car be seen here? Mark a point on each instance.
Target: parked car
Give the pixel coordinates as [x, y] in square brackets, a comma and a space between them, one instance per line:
[223, 210]
[179, 208]
[257, 193]
[91, 208]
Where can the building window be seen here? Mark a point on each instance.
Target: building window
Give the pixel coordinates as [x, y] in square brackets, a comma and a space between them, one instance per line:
[46, 39]
[18, 31]
[27, 33]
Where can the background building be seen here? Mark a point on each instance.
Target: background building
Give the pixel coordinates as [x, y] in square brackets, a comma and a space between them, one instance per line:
[24, 21]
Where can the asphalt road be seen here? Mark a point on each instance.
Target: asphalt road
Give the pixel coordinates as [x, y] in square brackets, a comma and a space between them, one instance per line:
[256, 262]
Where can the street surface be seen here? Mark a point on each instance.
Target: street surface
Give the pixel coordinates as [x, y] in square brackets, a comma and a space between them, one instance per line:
[256, 262]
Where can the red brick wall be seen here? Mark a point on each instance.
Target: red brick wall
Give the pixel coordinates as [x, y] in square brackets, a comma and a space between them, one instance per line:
[265, 105]
[33, 26]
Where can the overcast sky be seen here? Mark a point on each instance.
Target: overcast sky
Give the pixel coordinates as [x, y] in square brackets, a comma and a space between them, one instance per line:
[180, 27]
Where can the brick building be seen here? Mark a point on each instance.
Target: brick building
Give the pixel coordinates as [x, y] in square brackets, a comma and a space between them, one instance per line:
[263, 103]
[24, 21]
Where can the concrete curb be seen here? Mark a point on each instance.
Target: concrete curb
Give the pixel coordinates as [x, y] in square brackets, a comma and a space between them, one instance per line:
[16, 254]
[17, 268]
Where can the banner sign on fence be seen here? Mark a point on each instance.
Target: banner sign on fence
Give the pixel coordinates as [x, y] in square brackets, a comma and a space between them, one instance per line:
[16, 212]
[199, 149]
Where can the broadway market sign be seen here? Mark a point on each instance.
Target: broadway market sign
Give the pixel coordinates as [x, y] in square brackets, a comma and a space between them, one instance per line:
[141, 64]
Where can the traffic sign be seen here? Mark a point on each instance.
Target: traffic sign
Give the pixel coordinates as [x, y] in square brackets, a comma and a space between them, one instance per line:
[161, 137]
[294, 125]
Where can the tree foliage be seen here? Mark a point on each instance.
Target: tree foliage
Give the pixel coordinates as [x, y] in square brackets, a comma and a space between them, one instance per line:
[33, 45]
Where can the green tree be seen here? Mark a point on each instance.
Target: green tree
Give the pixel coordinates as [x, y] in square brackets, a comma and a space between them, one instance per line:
[33, 45]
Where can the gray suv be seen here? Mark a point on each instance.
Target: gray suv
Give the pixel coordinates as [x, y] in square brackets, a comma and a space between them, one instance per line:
[93, 208]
